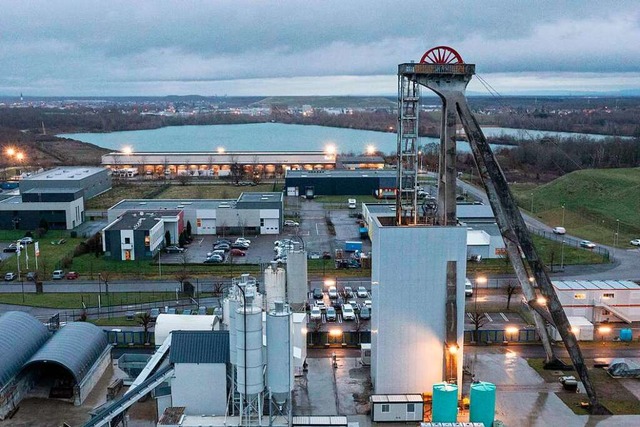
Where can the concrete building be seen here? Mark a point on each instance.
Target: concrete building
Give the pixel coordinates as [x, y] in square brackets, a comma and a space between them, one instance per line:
[600, 300]
[411, 266]
[340, 182]
[483, 234]
[56, 196]
[266, 163]
[360, 162]
[253, 213]
[91, 181]
[137, 235]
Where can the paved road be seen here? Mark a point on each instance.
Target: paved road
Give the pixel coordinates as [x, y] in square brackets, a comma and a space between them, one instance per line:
[624, 266]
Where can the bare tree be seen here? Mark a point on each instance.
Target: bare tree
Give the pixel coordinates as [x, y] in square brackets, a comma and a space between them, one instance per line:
[478, 320]
[510, 290]
[184, 179]
[145, 320]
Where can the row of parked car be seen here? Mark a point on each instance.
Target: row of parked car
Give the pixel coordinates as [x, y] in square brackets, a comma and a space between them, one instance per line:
[224, 247]
[340, 301]
[32, 276]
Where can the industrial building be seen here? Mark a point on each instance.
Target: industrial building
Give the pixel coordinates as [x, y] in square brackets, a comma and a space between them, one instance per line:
[360, 162]
[341, 182]
[55, 196]
[249, 366]
[600, 300]
[65, 364]
[412, 268]
[220, 163]
[253, 213]
[137, 235]
[483, 234]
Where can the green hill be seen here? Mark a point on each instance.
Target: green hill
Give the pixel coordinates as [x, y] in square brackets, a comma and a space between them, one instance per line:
[596, 202]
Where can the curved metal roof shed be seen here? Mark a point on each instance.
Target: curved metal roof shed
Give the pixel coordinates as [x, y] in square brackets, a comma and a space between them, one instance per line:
[22, 335]
[75, 347]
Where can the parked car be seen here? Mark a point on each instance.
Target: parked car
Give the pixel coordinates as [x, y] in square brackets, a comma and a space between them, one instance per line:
[186, 311]
[317, 293]
[587, 244]
[214, 259]
[220, 241]
[468, 288]
[57, 275]
[320, 305]
[348, 313]
[365, 312]
[240, 245]
[242, 239]
[333, 292]
[72, 275]
[362, 292]
[26, 240]
[348, 292]
[32, 276]
[10, 276]
[331, 314]
[314, 255]
[291, 223]
[559, 230]
[59, 242]
[223, 246]
[326, 255]
[13, 247]
[237, 252]
[367, 303]
[154, 313]
[635, 242]
[173, 249]
[316, 313]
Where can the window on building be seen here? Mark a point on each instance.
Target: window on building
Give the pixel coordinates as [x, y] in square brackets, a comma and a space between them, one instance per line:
[261, 222]
[580, 296]
[147, 240]
[127, 240]
[385, 408]
[608, 296]
[411, 407]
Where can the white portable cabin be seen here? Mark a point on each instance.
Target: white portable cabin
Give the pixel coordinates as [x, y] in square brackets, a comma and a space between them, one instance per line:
[365, 354]
[396, 407]
[580, 326]
[600, 300]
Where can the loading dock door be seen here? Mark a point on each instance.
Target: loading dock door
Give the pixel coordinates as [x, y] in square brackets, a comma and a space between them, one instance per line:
[292, 191]
[206, 226]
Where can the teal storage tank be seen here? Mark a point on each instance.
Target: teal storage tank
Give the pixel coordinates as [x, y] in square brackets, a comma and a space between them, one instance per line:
[482, 406]
[445, 403]
[626, 335]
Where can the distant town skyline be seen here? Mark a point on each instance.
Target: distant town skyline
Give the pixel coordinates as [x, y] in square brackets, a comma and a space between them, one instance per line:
[295, 48]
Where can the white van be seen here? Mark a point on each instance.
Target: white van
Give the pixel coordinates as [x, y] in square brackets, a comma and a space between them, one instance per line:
[352, 203]
[468, 288]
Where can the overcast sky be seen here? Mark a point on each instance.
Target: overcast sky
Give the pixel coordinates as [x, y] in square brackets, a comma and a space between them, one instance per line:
[310, 47]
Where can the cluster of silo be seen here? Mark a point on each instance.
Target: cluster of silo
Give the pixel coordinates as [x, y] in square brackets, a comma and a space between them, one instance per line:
[246, 322]
[481, 407]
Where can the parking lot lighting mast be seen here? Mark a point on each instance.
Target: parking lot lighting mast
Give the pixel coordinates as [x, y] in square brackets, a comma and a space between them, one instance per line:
[444, 72]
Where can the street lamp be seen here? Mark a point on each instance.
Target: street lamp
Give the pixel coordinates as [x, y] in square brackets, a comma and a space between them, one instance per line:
[531, 202]
[511, 330]
[563, 215]
[604, 330]
[562, 256]
[371, 150]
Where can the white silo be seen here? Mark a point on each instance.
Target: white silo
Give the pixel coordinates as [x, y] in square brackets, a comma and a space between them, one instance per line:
[232, 306]
[250, 365]
[297, 287]
[274, 285]
[279, 353]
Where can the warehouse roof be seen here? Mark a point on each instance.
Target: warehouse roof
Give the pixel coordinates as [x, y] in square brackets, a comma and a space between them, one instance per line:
[164, 204]
[474, 211]
[260, 197]
[76, 347]
[360, 159]
[137, 220]
[332, 173]
[199, 347]
[608, 285]
[22, 335]
[67, 173]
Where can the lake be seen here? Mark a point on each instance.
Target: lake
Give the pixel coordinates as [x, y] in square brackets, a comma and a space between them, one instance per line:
[271, 137]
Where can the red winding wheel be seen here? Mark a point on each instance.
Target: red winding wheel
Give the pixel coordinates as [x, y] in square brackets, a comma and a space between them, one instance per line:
[441, 55]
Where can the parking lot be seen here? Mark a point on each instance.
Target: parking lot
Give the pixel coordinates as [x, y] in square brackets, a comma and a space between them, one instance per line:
[325, 323]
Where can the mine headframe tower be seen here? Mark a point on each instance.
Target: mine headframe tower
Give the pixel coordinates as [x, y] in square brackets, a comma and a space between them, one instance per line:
[443, 71]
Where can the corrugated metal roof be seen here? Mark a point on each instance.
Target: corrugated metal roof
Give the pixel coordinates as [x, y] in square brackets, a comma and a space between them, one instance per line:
[595, 285]
[76, 347]
[22, 335]
[199, 347]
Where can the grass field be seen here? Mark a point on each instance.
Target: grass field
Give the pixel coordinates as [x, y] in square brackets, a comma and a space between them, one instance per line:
[124, 191]
[613, 396]
[76, 300]
[597, 203]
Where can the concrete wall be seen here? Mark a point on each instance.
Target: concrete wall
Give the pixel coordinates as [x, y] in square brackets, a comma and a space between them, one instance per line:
[93, 376]
[202, 388]
[409, 267]
[13, 392]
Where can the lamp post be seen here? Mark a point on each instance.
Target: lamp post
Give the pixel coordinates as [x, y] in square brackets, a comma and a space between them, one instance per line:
[604, 330]
[562, 255]
[563, 215]
[617, 232]
[531, 202]
[99, 292]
